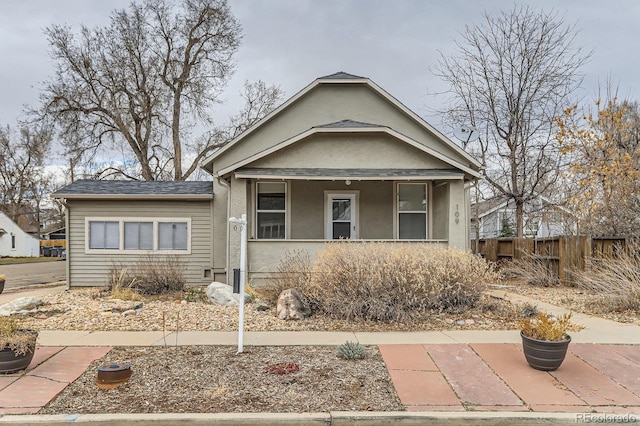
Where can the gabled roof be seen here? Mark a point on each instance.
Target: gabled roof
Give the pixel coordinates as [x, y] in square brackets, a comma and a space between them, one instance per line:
[118, 189]
[340, 75]
[486, 207]
[348, 123]
[344, 78]
[343, 126]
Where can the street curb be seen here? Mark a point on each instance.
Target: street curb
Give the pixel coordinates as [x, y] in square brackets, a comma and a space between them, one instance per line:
[331, 418]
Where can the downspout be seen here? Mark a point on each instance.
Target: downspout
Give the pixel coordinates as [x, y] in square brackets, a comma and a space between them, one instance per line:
[67, 245]
[226, 185]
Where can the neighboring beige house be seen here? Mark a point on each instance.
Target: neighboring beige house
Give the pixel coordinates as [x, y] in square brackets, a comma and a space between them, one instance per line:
[14, 242]
[341, 159]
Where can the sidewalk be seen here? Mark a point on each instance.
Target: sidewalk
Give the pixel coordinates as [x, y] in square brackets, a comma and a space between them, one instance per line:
[440, 375]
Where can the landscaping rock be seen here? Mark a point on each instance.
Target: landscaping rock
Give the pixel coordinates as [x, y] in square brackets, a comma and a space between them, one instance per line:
[262, 307]
[222, 295]
[291, 305]
[19, 305]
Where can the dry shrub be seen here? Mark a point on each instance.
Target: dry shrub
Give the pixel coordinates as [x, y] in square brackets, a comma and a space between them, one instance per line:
[389, 282]
[531, 269]
[547, 327]
[149, 275]
[293, 271]
[616, 280]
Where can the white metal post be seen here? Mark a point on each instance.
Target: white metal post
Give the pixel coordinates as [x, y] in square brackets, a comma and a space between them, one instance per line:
[243, 262]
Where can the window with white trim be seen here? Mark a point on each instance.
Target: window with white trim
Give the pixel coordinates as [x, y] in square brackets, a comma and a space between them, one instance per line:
[412, 211]
[135, 235]
[271, 210]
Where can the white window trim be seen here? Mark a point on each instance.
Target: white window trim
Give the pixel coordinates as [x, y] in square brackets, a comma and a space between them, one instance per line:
[121, 221]
[327, 211]
[396, 210]
[287, 209]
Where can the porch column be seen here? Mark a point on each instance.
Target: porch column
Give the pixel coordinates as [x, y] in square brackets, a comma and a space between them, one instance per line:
[458, 236]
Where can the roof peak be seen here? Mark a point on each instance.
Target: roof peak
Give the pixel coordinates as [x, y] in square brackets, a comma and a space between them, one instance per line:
[341, 75]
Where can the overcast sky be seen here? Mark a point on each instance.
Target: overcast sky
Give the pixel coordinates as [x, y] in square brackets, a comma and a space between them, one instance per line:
[291, 42]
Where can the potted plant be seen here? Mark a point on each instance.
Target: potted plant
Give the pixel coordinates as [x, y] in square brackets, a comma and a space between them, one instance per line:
[17, 345]
[1, 283]
[545, 339]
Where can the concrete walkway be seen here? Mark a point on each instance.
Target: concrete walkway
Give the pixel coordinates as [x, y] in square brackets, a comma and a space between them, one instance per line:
[444, 376]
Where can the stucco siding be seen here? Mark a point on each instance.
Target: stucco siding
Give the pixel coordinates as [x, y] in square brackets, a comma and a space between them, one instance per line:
[440, 218]
[89, 269]
[375, 150]
[328, 103]
[375, 208]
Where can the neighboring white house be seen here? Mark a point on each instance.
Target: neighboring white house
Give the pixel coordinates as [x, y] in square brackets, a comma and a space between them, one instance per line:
[14, 242]
[542, 218]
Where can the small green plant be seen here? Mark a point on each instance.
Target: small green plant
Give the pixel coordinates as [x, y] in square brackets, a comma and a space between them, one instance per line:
[352, 350]
[12, 336]
[547, 327]
[195, 294]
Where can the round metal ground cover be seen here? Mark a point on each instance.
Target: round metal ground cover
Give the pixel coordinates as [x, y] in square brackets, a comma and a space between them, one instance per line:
[112, 375]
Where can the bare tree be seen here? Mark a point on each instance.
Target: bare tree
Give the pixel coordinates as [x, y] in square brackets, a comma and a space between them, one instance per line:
[139, 88]
[510, 76]
[22, 156]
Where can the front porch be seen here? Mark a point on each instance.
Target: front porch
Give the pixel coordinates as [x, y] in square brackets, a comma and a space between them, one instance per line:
[291, 212]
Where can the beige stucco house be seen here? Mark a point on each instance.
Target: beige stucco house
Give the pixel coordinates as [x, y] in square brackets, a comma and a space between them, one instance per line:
[341, 159]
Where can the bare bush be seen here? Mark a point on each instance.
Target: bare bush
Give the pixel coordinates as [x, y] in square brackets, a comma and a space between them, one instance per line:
[293, 271]
[389, 282]
[531, 269]
[616, 280]
[149, 275]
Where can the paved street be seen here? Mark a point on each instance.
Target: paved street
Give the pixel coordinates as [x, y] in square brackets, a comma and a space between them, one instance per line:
[26, 274]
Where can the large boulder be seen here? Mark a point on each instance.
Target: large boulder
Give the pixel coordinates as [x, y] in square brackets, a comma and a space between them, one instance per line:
[291, 305]
[222, 294]
[19, 305]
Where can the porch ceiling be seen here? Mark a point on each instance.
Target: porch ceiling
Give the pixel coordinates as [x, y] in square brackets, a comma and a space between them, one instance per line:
[354, 174]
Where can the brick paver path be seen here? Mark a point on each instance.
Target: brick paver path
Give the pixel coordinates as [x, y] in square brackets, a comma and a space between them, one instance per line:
[496, 377]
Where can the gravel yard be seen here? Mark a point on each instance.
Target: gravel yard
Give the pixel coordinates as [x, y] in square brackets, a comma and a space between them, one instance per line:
[209, 379]
[90, 310]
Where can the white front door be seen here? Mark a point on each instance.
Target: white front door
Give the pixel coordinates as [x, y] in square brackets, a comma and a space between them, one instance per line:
[341, 216]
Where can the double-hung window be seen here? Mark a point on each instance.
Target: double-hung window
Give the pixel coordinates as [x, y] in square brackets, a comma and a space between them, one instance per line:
[412, 211]
[138, 235]
[271, 211]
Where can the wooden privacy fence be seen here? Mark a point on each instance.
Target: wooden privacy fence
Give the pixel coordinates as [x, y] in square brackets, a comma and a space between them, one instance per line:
[561, 254]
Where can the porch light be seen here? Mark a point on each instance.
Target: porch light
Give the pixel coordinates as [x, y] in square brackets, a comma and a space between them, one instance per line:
[347, 182]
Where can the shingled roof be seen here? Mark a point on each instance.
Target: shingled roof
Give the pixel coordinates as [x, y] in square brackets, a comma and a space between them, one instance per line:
[340, 75]
[348, 123]
[88, 189]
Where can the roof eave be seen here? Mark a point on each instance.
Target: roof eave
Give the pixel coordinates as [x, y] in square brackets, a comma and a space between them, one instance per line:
[133, 196]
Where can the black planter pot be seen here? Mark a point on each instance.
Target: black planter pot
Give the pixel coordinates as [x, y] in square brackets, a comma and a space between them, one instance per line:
[1, 286]
[10, 363]
[544, 355]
